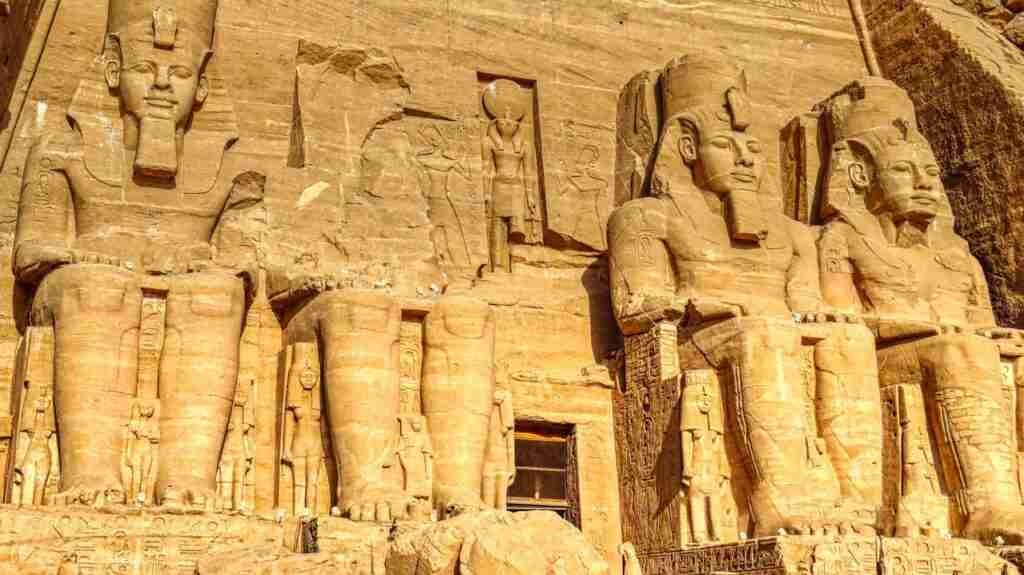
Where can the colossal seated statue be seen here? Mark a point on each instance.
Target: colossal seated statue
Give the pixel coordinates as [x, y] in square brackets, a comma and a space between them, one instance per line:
[708, 252]
[114, 235]
[888, 251]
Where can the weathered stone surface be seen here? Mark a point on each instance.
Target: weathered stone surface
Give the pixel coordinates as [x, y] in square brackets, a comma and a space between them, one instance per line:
[495, 543]
[332, 288]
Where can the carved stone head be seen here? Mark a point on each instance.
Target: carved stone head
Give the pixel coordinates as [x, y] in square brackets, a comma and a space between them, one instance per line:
[155, 59]
[705, 97]
[505, 102]
[880, 156]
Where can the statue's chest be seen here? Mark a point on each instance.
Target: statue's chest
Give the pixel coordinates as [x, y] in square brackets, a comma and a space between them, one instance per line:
[148, 202]
[918, 271]
[713, 249]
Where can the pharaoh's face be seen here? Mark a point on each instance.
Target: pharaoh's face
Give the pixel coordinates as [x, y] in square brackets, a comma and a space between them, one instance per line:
[908, 181]
[160, 83]
[724, 160]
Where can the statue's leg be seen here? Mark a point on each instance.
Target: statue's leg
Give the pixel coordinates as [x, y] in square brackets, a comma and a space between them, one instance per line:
[490, 488]
[359, 333]
[769, 396]
[698, 514]
[849, 414]
[458, 396]
[95, 311]
[28, 493]
[312, 483]
[42, 476]
[503, 483]
[198, 376]
[976, 426]
[716, 514]
[501, 257]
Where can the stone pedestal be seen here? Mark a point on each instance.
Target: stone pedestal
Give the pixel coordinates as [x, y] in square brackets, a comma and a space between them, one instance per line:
[829, 555]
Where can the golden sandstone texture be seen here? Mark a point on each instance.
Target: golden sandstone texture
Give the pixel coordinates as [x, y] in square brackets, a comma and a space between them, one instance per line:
[509, 288]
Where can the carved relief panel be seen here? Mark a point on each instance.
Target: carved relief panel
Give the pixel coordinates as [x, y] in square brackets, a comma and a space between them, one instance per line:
[580, 186]
[513, 190]
[446, 165]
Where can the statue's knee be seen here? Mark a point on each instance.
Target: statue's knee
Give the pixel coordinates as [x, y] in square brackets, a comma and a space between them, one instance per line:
[462, 316]
[85, 288]
[359, 311]
[966, 352]
[211, 295]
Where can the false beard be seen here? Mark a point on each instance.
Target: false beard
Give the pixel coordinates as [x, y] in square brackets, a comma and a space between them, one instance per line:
[745, 216]
[157, 153]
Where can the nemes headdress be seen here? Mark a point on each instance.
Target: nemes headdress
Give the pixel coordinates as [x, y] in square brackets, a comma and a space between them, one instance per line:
[865, 117]
[874, 111]
[165, 23]
[706, 89]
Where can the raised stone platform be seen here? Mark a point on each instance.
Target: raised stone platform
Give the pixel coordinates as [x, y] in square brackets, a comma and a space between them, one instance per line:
[825, 555]
[132, 541]
[125, 540]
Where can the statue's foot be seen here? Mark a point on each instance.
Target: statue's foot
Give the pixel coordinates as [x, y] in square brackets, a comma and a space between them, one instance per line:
[451, 502]
[188, 499]
[858, 519]
[1003, 522]
[379, 504]
[92, 494]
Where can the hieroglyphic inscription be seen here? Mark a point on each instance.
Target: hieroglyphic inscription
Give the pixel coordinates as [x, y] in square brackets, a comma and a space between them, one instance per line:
[755, 556]
[411, 364]
[817, 7]
[937, 556]
[648, 439]
[165, 544]
[651, 360]
[151, 336]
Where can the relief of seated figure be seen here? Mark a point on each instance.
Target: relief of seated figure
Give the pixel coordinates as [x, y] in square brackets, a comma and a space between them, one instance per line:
[118, 209]
[710, 250]
[889, 252]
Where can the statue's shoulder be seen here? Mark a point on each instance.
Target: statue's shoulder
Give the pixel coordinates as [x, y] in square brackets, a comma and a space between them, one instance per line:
[639, 209]
[63, 142]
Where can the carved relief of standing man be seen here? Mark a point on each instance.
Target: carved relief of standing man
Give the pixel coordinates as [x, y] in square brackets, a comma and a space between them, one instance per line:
[304, 451]
[439, 163]
[500, 468]
[416, 456]
[40, 455]
[705, 471]
[138, 469]
[513, 209]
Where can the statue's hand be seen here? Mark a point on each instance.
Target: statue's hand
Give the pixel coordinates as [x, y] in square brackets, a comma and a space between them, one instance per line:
[826, 317]
[1001, 333]
[686, 481]
[87, 257]
[643, 312]
[887, 329]
[308, 284]
[700, 310]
